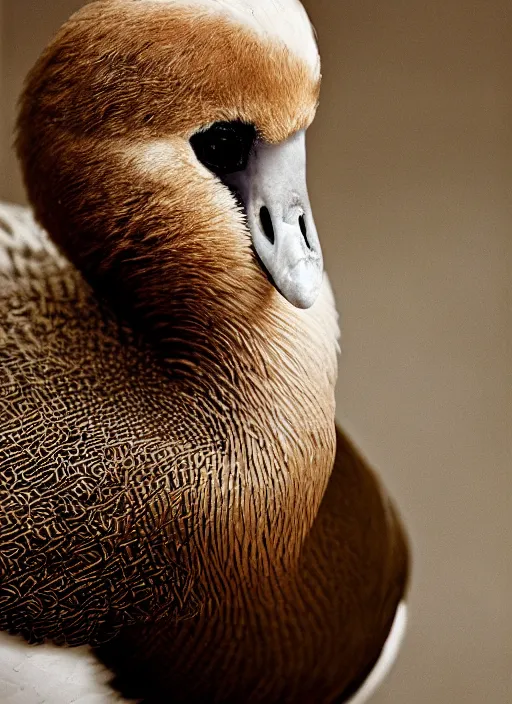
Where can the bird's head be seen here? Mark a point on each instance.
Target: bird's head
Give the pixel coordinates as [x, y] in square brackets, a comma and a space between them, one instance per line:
[163, 147]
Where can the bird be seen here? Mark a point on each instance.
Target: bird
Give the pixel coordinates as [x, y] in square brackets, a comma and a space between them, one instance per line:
[177, 498]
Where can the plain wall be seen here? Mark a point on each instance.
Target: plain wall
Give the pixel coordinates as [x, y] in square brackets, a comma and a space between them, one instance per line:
[410, 177]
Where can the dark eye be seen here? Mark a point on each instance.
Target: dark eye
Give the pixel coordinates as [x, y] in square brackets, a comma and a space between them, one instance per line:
[225, 147]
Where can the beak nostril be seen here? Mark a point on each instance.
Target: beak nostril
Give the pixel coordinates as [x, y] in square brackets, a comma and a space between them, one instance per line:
[266, 224]
[303, 229]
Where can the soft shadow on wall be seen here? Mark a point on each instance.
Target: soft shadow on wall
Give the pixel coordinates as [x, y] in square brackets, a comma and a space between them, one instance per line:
[408, 166]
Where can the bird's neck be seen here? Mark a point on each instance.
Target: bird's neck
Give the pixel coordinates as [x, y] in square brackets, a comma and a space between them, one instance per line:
[261, 394]
[256, 397]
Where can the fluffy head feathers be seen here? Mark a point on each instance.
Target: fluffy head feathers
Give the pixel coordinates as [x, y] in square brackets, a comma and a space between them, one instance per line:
[104, 132]
[280, 21]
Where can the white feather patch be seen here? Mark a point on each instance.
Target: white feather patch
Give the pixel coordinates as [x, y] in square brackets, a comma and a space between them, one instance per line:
[44, 674]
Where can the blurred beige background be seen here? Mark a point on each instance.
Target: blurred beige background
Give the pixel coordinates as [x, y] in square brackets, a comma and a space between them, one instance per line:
[410, 173]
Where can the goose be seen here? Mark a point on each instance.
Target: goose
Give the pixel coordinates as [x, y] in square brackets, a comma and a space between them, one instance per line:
[176, 496]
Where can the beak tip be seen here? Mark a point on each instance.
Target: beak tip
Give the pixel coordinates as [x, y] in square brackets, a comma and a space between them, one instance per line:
[303, 291]
[303, 301]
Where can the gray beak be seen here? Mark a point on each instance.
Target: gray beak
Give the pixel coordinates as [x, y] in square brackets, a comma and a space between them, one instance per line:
[273, 189]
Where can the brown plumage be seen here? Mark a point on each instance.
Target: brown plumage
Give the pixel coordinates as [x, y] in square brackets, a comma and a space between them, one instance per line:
[174, 490]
